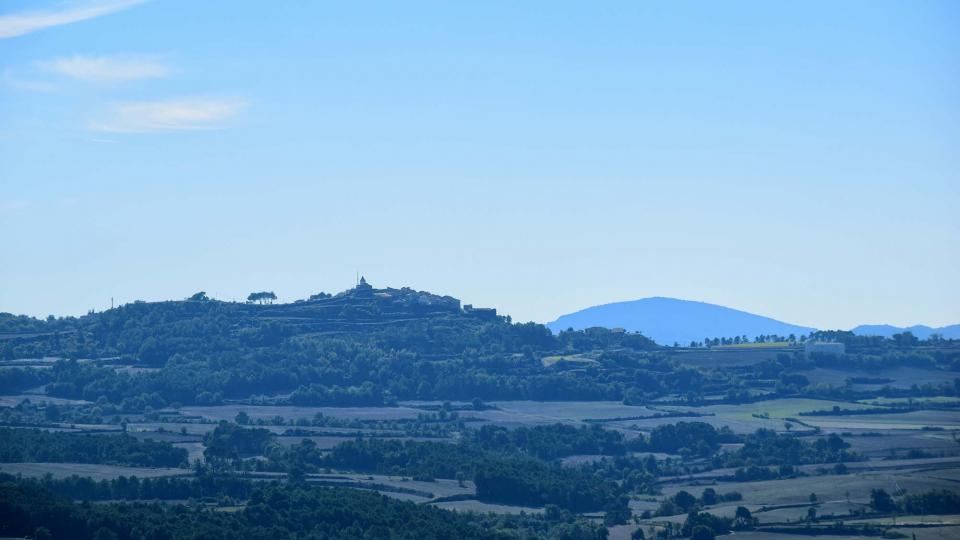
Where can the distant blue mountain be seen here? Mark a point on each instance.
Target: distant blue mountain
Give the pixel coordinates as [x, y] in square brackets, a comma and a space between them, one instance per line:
[669, 320]
[919, 330]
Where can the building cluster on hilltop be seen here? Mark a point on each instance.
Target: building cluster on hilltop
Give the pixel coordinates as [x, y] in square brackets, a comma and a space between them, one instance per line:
[407, 298]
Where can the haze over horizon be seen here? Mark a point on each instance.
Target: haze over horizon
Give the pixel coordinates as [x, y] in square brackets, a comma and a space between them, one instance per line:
[799, 162]
[551, 322]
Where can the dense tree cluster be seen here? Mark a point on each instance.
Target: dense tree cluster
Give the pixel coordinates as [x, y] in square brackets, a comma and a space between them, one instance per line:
[682, 502]
[15, 379]
[367, 394]
[231, 442]
[533, 483]
[937, 501]
[710, 524]
[697, 438]
[504, 476]
[35, 445]
[767, 447]
[132, 488]
[552, 441]
[273, 511]
[413, 458]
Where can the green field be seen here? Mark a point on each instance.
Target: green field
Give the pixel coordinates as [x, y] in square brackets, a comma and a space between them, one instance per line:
[901, 377]
[911, 420]
[548, 361]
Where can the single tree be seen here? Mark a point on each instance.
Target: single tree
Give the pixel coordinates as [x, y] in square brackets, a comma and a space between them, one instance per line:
[743, 519]
[881, 501]
[684, 500]
[702, 532]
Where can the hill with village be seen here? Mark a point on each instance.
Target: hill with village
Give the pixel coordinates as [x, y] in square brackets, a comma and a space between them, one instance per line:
[396, 405]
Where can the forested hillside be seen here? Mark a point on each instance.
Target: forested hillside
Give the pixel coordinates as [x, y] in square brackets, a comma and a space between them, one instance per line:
[371, 346]
[360, 348]
[263, 408]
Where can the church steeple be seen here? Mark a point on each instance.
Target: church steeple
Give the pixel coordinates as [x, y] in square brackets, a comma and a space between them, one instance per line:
[364, 288]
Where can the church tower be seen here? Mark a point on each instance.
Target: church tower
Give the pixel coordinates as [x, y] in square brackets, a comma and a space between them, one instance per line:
[363, 288]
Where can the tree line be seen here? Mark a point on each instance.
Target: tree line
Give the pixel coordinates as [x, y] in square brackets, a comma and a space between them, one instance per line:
[36, 445]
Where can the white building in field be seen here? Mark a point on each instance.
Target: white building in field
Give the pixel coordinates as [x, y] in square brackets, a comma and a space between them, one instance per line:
[824, 347]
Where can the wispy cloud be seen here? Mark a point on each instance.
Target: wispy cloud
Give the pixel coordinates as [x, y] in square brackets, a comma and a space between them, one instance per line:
[107, 69]
[18, 24]
[189, 114]
[27, 85]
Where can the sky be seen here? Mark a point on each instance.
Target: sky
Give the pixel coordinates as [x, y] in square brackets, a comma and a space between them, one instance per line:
[796, 160]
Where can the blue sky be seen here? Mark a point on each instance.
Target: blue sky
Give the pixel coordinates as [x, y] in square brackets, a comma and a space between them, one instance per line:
[796, 160]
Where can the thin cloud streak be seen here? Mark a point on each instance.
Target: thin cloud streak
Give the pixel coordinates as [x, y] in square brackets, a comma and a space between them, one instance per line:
[107, 69]
[27, 85]
[19, 24]
[189, 114]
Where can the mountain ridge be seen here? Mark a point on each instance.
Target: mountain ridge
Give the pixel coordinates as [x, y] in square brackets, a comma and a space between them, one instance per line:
[669, 320]
[672, 320]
